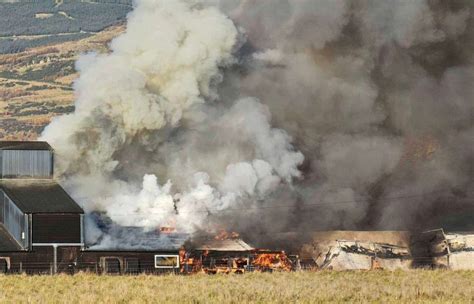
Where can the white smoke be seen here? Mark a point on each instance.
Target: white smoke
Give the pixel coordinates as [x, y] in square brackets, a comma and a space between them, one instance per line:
[150, 142]
[166, 62]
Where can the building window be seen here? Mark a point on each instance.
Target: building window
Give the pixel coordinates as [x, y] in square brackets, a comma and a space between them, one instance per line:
[166, 261]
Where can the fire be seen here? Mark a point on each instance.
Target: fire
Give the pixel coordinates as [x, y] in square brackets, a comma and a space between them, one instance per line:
[225, 235]
[188, 264]
[272, 261]
[167, 230]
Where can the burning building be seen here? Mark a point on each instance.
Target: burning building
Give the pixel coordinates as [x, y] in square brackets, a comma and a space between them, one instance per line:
[228, 253]
[42, 231]
[317, 116]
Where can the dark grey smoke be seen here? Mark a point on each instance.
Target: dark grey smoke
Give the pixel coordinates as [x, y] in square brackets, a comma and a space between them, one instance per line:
[378, 96]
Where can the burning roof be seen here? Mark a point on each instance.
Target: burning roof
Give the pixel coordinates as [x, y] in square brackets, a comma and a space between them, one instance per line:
[225, 245]
[116, 237]
[398, 238]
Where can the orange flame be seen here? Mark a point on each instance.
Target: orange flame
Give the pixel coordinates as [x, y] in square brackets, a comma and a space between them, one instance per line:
[273, 261]
[225, 235]
[167, 230]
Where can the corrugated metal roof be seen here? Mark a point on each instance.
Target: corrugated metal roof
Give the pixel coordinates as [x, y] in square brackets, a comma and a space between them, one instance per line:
[39, 196]
[398, 238]
[226, 245]
[25, 145]
[7, 243]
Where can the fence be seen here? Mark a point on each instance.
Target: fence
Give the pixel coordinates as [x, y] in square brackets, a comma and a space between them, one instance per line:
[140, 267]
[36, 268]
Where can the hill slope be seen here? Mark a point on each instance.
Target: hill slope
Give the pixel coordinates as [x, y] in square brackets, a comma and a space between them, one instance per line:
[39, 43]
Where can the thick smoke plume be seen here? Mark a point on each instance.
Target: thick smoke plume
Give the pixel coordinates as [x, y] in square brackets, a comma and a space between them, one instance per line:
[276, 115]
[150, 143]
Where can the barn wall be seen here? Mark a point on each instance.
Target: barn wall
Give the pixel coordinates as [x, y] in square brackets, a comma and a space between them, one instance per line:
[37, 261]
[26, 163]
[56, 228]
[130, 262]
[71, 259]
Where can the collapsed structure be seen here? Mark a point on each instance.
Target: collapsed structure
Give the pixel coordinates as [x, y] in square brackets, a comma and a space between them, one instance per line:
[357, 250]
[42, 231]
[453, 250]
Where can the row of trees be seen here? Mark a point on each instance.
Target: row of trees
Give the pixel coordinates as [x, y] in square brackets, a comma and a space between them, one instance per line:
[11, 45]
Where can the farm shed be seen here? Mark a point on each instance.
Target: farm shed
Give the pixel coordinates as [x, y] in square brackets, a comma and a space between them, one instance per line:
[129, 261]
[231, 254]
[133, 250]
[219, 255]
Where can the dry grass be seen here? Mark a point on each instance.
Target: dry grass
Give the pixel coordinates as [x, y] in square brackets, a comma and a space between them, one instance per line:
[306, 287]
[42, 77]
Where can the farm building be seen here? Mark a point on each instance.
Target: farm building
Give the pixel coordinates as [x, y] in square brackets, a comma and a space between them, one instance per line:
[228, 253]
[42, 227]
[36, 214]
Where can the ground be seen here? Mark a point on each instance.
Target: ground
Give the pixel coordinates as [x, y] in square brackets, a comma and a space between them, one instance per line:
[39, 44]
[415, 286]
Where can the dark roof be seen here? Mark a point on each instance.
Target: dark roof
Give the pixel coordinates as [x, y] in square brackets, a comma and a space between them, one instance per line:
[137, 238]
[25, 145]
[7, 243]
[39, 196]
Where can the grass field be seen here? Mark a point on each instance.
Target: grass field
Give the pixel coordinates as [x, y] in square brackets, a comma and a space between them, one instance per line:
[415, 286]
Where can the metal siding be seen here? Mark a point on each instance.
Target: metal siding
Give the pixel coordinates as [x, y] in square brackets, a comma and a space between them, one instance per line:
[2, 206]
[26, 163]
[56, 228]
[15, 221]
